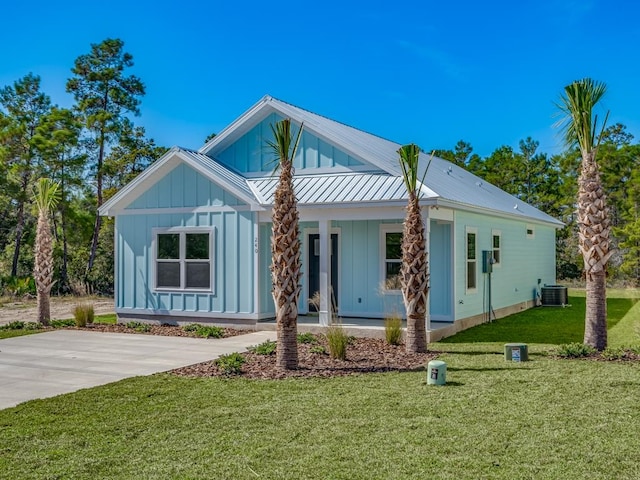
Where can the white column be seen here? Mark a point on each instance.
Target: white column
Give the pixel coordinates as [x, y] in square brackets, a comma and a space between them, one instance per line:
[324, 227]
[427, 233]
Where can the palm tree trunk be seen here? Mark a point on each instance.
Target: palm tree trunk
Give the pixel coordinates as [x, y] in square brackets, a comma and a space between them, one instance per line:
[594, 227]
[43, 269]
[415, 277]
[285, 269]
[595, 325]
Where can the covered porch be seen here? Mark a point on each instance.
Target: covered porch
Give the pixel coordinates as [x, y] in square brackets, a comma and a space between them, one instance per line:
[360, 327]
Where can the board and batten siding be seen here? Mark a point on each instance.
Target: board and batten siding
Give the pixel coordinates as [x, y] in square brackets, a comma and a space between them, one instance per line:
[232, 224]
[524, 260]
[250, 153]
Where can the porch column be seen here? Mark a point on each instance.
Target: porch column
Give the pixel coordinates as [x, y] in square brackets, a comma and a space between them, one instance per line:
[324, 227]
[427, 240]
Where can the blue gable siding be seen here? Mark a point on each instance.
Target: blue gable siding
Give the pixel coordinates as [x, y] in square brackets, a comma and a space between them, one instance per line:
[183, 187]
[250, 153]
[233, 226]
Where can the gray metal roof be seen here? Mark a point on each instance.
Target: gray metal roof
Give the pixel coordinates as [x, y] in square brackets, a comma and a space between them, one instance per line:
[337, 189]
[219, 171]
[445, 182]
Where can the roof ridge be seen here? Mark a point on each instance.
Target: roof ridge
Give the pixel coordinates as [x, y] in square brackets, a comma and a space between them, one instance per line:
[269, 97]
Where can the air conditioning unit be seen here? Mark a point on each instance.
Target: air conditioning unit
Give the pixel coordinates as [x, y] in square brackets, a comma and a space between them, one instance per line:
[555, 296]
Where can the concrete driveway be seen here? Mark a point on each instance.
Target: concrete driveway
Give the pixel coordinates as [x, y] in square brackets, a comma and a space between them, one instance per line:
[49, 364]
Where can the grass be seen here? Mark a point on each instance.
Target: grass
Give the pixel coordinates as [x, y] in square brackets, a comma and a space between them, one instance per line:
[107, 318]
[544, 325]
[493, 420]
[543, 419]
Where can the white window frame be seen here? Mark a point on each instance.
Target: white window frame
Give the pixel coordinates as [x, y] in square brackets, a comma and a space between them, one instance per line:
[384, 229]
[467, 261]
[496, 263]
[183, 231]
[531, 228]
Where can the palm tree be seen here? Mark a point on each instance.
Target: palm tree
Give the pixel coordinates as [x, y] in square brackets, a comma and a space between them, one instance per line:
[414, 273]
[579, 126]
[285, 246]
[46, 197]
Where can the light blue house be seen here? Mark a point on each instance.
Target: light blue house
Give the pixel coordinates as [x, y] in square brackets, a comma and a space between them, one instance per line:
[192, 232]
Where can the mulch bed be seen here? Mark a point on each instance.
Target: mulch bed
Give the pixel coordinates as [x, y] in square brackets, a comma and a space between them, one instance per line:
[364, 355]
[166, 330]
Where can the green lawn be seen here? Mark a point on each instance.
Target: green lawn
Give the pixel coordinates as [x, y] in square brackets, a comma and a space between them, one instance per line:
[543, 419]
[552, 325]
[107, 318]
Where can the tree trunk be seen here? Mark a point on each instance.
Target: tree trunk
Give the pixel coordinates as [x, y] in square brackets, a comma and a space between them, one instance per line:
[595, 323]
[593, 236]
[18, 241]
[43, 267]
[285, 269]
[415, 277]
[98, 222]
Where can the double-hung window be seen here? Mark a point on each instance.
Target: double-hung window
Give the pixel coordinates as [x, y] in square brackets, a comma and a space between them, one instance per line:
[496, 247]
[391, 249]
[184, 259]
[472, 258]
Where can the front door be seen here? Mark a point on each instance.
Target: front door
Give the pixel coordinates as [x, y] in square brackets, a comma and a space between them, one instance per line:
[314, 268]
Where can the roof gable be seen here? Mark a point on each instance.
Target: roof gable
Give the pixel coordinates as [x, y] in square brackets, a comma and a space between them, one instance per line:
[161, 174]
[250, 155]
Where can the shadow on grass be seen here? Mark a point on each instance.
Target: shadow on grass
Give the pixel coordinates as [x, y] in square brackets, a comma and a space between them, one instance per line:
[548, 325]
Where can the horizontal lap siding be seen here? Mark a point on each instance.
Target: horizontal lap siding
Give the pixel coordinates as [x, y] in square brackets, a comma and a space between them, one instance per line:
[524, 261]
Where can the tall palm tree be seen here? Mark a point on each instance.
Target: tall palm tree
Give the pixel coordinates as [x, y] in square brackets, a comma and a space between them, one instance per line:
[46, 196]
[285, 246]
[579, 126]
[414, 272]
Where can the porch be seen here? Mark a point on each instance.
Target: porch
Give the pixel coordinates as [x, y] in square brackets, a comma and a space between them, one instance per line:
[361, 327]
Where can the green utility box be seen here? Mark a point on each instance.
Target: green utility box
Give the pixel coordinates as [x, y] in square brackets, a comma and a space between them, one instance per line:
[436, 372]
[516, 352]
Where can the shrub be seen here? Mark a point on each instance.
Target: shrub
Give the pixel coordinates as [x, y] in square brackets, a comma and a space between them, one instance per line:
[614, 353]
[307, 337]
[204, 331]
[139, 326]
[83, 314]
[32, 326]
[575, 350]
[15, 325]
[267, 347]
[338, 341]
[69, 322]
[230, 364]
[318, 349]
[393, 330]
[210, 331]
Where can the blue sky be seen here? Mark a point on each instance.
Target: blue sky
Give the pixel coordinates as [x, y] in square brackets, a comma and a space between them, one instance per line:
[411, 71]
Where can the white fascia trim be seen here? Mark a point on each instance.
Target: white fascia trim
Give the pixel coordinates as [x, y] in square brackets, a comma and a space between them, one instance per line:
[496, 213]
[235, 125]
[217, 180]
[159, 168]
[182, 210]
[270, 105]
[188, 313]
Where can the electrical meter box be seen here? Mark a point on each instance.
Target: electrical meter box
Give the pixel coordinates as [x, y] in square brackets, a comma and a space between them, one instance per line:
[487, 261]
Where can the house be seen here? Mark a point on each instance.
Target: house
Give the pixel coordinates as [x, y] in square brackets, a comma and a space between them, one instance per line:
[192, 232]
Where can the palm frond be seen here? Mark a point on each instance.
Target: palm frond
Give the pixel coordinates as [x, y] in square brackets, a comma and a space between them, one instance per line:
[281, 145]
[46, 194]
[579, 124]
[409, 160]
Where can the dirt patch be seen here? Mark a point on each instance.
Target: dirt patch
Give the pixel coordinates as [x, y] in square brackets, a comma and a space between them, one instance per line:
[26, 310]
[364, 355]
